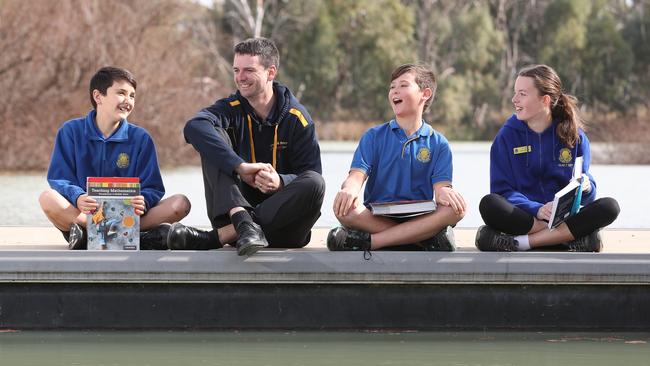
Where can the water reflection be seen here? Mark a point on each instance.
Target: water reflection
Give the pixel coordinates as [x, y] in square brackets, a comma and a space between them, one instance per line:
[19, 205]
[322, 348]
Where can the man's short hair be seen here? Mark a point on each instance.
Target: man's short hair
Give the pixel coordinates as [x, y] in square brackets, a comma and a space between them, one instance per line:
[105, 77]
[424, 78]
[263, 47]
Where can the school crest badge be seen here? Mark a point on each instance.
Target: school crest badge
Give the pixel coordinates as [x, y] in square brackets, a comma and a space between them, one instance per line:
[424, 155]
[123, 160]
[565, 156]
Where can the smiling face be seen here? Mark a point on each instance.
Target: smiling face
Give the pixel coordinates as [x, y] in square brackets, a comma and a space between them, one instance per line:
[405, 96]
[251, 77]
[118, 102]
[529, 104]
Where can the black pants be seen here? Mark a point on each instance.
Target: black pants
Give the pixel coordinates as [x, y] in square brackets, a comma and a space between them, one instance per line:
[286, 217]
[503, 216]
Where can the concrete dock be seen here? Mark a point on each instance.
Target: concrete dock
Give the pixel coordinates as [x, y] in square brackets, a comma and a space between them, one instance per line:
[45, 286]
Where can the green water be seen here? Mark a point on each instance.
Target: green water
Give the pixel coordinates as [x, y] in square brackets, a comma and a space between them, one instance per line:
[322, 348]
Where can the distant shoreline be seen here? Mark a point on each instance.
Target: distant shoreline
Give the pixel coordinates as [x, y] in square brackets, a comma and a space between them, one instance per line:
[603, 153]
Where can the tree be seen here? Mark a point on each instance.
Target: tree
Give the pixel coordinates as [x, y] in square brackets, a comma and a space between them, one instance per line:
[374, 37]
[249, 21]
[339, 54]
[637, 34]
[311, 57]
[466, 51]
[519, 22]
[46, 67]
[564, 37]
[607, 62]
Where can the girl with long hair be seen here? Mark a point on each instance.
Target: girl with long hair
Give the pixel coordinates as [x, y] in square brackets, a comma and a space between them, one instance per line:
[532, 157]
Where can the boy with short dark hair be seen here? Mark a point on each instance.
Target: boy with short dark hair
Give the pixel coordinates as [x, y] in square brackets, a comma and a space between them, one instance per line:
[404, 159]
[105, 144]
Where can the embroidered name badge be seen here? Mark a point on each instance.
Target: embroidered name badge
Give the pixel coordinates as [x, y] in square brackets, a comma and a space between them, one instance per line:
[281, 145]
[522, 150]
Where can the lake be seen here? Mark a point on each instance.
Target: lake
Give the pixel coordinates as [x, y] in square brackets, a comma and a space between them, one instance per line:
[323, 348]
[19, 205]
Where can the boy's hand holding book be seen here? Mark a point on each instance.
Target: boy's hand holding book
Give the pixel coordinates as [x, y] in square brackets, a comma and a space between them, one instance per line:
[86, 204]
[447, 196]
[138, 204]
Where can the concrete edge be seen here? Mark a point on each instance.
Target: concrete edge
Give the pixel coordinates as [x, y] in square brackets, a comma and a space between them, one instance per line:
[325, 267]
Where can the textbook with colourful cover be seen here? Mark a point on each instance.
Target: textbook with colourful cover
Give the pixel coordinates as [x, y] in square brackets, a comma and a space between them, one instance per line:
[114, 225]
[566, 202]
[403, 208]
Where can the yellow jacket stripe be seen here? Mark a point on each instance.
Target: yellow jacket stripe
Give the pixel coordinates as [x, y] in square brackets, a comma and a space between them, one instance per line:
[250, 136]
[235, 103]
[298, 114]
[252, 142]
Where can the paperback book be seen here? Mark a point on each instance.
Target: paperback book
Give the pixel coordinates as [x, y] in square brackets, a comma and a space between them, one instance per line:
[114, 225]
[403, 208]
[566, 202]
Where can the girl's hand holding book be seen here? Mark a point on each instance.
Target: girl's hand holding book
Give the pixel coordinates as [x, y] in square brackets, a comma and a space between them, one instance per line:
[586, 185]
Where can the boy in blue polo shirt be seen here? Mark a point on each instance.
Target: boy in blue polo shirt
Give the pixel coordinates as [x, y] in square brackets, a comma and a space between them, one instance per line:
[404, 159]
[105, 144]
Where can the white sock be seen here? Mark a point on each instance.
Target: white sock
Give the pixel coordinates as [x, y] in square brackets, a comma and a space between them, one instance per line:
[523, 243]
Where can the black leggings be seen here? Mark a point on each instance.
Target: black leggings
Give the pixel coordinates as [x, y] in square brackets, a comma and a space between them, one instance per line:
[503, 216]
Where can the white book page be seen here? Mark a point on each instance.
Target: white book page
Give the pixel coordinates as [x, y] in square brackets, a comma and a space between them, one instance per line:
[577, 168]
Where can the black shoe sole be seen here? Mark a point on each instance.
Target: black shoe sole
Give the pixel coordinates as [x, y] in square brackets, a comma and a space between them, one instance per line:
[76, 238]
[159, 242]
[450, 243]
[332, 240]
[249, 249]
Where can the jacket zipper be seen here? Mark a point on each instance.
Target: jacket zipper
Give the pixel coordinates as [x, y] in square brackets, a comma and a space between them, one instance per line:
[541, 167]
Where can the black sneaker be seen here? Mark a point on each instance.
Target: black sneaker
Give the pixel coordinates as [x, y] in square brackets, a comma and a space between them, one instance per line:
[250, 238]
[490, 240]
[77, 238]
[588, 243]
[344, 239]
[181, 237]
[156, 238]
[441, 242]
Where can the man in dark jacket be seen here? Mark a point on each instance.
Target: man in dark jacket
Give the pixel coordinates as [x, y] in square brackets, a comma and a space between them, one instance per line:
[260, 159]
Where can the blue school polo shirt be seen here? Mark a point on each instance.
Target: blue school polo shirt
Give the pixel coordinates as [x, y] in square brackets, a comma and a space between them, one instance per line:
[401, 167]
[81, 151]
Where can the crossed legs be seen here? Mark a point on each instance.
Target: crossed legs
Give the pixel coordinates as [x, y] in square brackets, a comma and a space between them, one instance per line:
[386, 232]
[501, 215]
[63, 214]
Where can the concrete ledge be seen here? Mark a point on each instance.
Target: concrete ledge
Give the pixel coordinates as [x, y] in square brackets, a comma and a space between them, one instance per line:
[312, 288]
[325, 267]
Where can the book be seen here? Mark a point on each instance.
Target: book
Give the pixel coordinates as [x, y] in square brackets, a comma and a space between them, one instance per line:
[566, 202]
[114, 225]
[403, 208]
